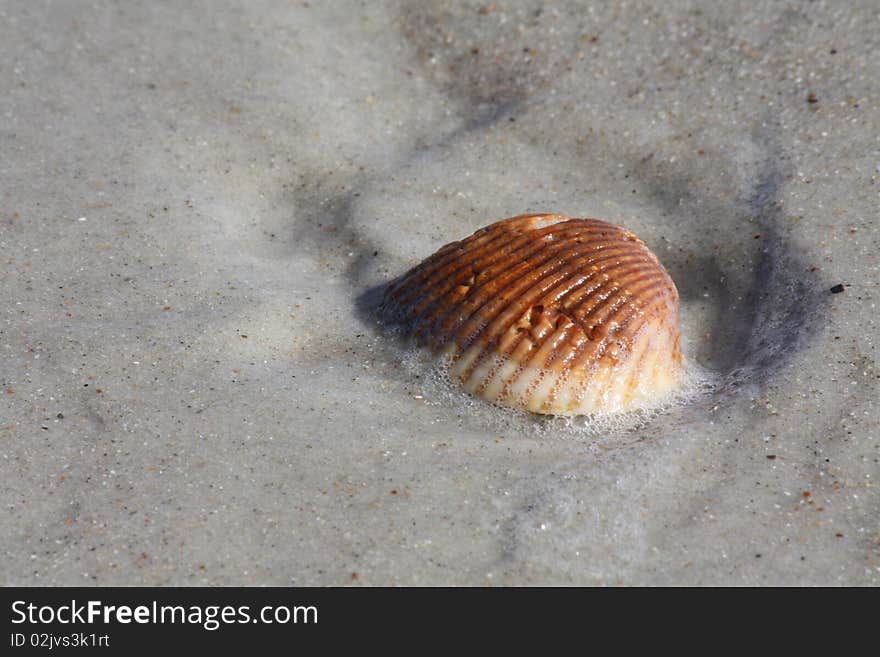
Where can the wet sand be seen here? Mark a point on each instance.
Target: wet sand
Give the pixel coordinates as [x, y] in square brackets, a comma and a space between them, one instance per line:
[201, 201]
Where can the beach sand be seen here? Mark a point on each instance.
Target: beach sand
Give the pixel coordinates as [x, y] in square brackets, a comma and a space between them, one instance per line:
[200, 201]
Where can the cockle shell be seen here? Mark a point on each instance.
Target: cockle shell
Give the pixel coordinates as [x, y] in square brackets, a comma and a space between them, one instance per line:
[548, 313]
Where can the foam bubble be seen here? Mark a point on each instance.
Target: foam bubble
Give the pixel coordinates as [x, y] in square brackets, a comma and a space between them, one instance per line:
[430, 374]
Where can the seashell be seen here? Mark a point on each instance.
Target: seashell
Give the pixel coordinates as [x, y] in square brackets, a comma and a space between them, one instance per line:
[548, 313]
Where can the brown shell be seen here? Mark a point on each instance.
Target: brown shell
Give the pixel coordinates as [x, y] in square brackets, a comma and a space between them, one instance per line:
[548, 313]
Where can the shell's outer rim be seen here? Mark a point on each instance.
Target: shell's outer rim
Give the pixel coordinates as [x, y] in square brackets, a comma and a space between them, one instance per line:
[456, 301]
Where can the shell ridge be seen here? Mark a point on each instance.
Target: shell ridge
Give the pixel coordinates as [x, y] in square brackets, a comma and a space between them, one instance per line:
[482, 262]
[599, 314]
[522, 240]
[486, 292]
[549, 347]
[494, 234]
[499, 329]
[586, 258]
[433, 267]
[623, 330]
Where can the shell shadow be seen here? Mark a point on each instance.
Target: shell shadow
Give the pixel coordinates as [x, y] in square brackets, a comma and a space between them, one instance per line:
[758, 327]
[368, 305]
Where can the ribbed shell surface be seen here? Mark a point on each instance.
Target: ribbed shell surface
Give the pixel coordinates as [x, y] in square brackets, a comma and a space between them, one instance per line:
[548, 313]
